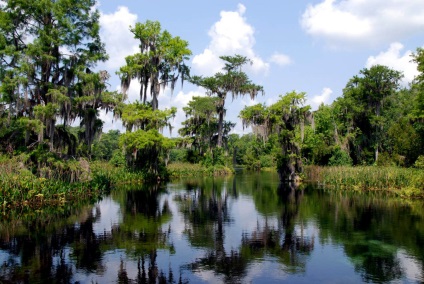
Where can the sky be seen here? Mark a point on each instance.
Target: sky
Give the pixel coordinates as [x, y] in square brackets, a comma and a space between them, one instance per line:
[311, 46]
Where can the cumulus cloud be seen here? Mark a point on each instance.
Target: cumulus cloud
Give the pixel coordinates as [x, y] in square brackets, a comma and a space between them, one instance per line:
[280, 59]
[323, 98]
[394, 59]
[363, 22]
[115, 33]
[230, 35]
[109, 122]
[180, 100]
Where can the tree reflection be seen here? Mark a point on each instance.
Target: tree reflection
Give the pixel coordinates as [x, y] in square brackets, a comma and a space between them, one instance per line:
[205, 209]
[378, 235]
[371, 229]
[40, 256]
[141, 232]
[284, 242]
[86, 245]
[54, 255]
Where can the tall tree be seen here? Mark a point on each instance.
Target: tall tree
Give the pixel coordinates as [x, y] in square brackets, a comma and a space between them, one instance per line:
[142, 141]
[201, 126]
[369, 91]
[47, 52]
[159, 63]
[286, 117]
[418, 84]
[233, 80]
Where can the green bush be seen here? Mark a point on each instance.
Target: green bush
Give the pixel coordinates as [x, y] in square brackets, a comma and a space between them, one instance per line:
[215, 157]
[178, 155]
[340, 158]
[118, 158]
[419, 163]
[267, 161]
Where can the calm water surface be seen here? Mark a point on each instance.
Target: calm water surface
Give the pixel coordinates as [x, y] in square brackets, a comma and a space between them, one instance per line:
[242, 229]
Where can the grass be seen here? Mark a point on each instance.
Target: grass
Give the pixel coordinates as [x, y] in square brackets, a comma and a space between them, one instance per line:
[403, 182]
[187, 169]
[21, 189]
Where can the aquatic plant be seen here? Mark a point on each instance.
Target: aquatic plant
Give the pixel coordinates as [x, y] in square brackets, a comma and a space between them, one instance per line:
[188, 169]
[404, 182]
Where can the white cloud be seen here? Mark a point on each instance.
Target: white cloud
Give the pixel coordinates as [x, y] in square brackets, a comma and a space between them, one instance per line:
[317, 100]
[166, 100]
[230, 35]
[115, 33]
[109, 122]
[280, 59]
[394, 59]
[364, 22]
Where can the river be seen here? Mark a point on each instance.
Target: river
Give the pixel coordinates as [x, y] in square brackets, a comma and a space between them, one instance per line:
[239, 229]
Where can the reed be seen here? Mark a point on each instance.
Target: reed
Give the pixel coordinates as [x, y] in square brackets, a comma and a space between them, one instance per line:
[187, 169]
[20, 188]
[404, 182]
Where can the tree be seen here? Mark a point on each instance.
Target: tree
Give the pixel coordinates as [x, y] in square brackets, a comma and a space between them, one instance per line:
[286, 117]
[106, 145]
[47, 52]
[159, 63]
[369, 93]
[233, 81]
[142, 142]
[201, 126]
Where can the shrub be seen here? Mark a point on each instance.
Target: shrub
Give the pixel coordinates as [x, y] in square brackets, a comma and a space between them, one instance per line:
[118, 158]
[419, 163]
[178, 155]
[340, 158]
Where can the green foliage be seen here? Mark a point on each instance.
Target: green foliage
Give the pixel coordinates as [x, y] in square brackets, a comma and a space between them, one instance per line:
[118, 158]
[399, 181]
[144, 151]
[200, 130]
[419, 163]
[178, 155]
[142, 116]
[215, 157]
[233, 81]
[159, 63]
[287, 118]
[179, 169]
[47, 51]
[60, 182]
[340, 158]
[363, 101]
[106, 146]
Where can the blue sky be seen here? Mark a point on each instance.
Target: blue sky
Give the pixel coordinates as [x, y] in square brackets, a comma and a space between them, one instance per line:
[310, 46]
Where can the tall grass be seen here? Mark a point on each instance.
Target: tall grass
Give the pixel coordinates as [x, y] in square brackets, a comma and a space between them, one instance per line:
[187, 169]
[405, 182]
[20, 188]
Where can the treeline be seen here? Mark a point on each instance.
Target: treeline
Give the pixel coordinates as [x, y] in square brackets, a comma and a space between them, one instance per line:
[48, 85]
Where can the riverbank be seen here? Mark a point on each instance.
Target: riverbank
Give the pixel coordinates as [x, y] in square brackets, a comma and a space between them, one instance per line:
[21, 189]
[403, 182]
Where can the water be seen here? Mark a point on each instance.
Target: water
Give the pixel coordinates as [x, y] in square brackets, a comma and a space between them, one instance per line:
[242, 229]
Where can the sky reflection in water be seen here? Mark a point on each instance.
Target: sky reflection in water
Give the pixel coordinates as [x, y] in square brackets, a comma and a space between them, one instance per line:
[238, 229]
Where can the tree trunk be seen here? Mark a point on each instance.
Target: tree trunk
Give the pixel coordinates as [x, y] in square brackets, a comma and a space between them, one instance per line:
[220, 126]
[376, 154]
